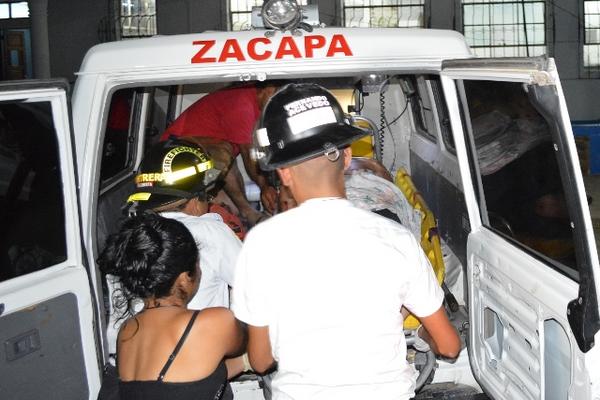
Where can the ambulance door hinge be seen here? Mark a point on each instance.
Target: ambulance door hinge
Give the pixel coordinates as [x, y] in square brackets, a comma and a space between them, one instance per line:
[542, 78]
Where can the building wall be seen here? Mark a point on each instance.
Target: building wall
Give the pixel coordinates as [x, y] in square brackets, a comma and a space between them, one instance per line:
[580, 90]
[441, 14]
[73, 27]
[184, 16]
[565, 19]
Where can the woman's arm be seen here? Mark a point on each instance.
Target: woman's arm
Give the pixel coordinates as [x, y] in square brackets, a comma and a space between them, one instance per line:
[237, 331]
[226, 333]
[235, 366]
[259, 354]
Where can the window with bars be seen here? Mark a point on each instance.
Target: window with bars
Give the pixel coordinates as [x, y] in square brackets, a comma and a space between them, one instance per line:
[14, 9]
[240, 12]
[591, 37]
[137, 18]
[384, 13]
[505, 28]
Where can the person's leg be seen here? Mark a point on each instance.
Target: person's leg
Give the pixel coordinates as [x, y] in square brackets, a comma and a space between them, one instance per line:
[234, 187]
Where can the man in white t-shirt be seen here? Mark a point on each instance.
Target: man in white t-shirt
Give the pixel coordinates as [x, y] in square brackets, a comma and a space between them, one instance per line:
[219, 248]
[174, 179]
[321, 286]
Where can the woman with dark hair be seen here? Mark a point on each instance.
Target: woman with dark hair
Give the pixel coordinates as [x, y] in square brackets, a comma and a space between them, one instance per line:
[167, 351]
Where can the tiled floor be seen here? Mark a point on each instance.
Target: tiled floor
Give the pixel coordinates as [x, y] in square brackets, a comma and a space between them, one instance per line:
[592, 187]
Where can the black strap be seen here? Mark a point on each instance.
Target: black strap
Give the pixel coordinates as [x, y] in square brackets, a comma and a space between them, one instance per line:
[163, 372]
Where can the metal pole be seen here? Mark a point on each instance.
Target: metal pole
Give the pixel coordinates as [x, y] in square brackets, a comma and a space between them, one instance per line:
[38, 14]
[525, 27]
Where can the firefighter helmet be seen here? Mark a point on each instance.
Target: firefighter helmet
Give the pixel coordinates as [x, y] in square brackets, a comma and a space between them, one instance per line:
[171, 171]
[300, 122]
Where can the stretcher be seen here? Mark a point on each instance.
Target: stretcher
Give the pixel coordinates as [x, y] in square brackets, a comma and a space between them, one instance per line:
[429, 238]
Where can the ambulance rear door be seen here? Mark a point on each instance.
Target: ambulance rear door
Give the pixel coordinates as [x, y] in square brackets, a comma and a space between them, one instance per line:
[47, 318]
[532, 264]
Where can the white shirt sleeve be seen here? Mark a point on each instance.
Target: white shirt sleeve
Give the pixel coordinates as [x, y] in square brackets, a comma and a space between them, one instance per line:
[424, 295]
[250, 288]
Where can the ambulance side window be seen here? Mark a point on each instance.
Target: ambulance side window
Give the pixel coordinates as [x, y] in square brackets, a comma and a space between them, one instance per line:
[422, 103]
[117, 151]
[443, 115]
[519, 172]
[134, 115]
[32, 222]
[135, 121]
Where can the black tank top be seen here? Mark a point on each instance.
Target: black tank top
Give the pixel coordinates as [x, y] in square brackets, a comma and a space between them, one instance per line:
[209, 388]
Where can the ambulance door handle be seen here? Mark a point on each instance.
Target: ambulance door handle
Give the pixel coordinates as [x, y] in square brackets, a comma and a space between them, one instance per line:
[21, 345]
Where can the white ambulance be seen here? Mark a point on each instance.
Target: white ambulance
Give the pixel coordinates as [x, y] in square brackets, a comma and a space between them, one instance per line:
[482, 146]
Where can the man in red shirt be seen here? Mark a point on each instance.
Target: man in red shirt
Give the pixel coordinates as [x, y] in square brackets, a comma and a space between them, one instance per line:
[222, 122]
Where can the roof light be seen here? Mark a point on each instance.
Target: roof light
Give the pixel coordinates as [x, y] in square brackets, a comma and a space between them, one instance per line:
[284, 15]
[281, 14]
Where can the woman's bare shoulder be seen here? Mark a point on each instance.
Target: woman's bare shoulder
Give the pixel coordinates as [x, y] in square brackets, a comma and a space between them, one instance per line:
[216, 315]
[216, 320]
[219, 326]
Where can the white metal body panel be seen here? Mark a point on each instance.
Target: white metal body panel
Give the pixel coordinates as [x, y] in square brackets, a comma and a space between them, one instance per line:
[70, 276]
[519, 290]
[164, 54]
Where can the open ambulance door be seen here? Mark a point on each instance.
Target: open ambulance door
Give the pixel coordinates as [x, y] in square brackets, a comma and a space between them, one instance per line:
[532, 266]
[47, 332]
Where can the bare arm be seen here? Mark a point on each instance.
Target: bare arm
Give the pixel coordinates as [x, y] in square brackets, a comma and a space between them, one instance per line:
[219, 150]
[228, 333]
[268, 194]
[252, 166]
[235, 366]
[440, 334]
[259, 348]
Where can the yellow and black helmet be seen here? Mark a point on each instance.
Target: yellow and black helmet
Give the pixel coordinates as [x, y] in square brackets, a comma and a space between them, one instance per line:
[171, 171]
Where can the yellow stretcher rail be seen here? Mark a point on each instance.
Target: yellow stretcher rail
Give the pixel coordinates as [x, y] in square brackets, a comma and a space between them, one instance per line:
[430, 240]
